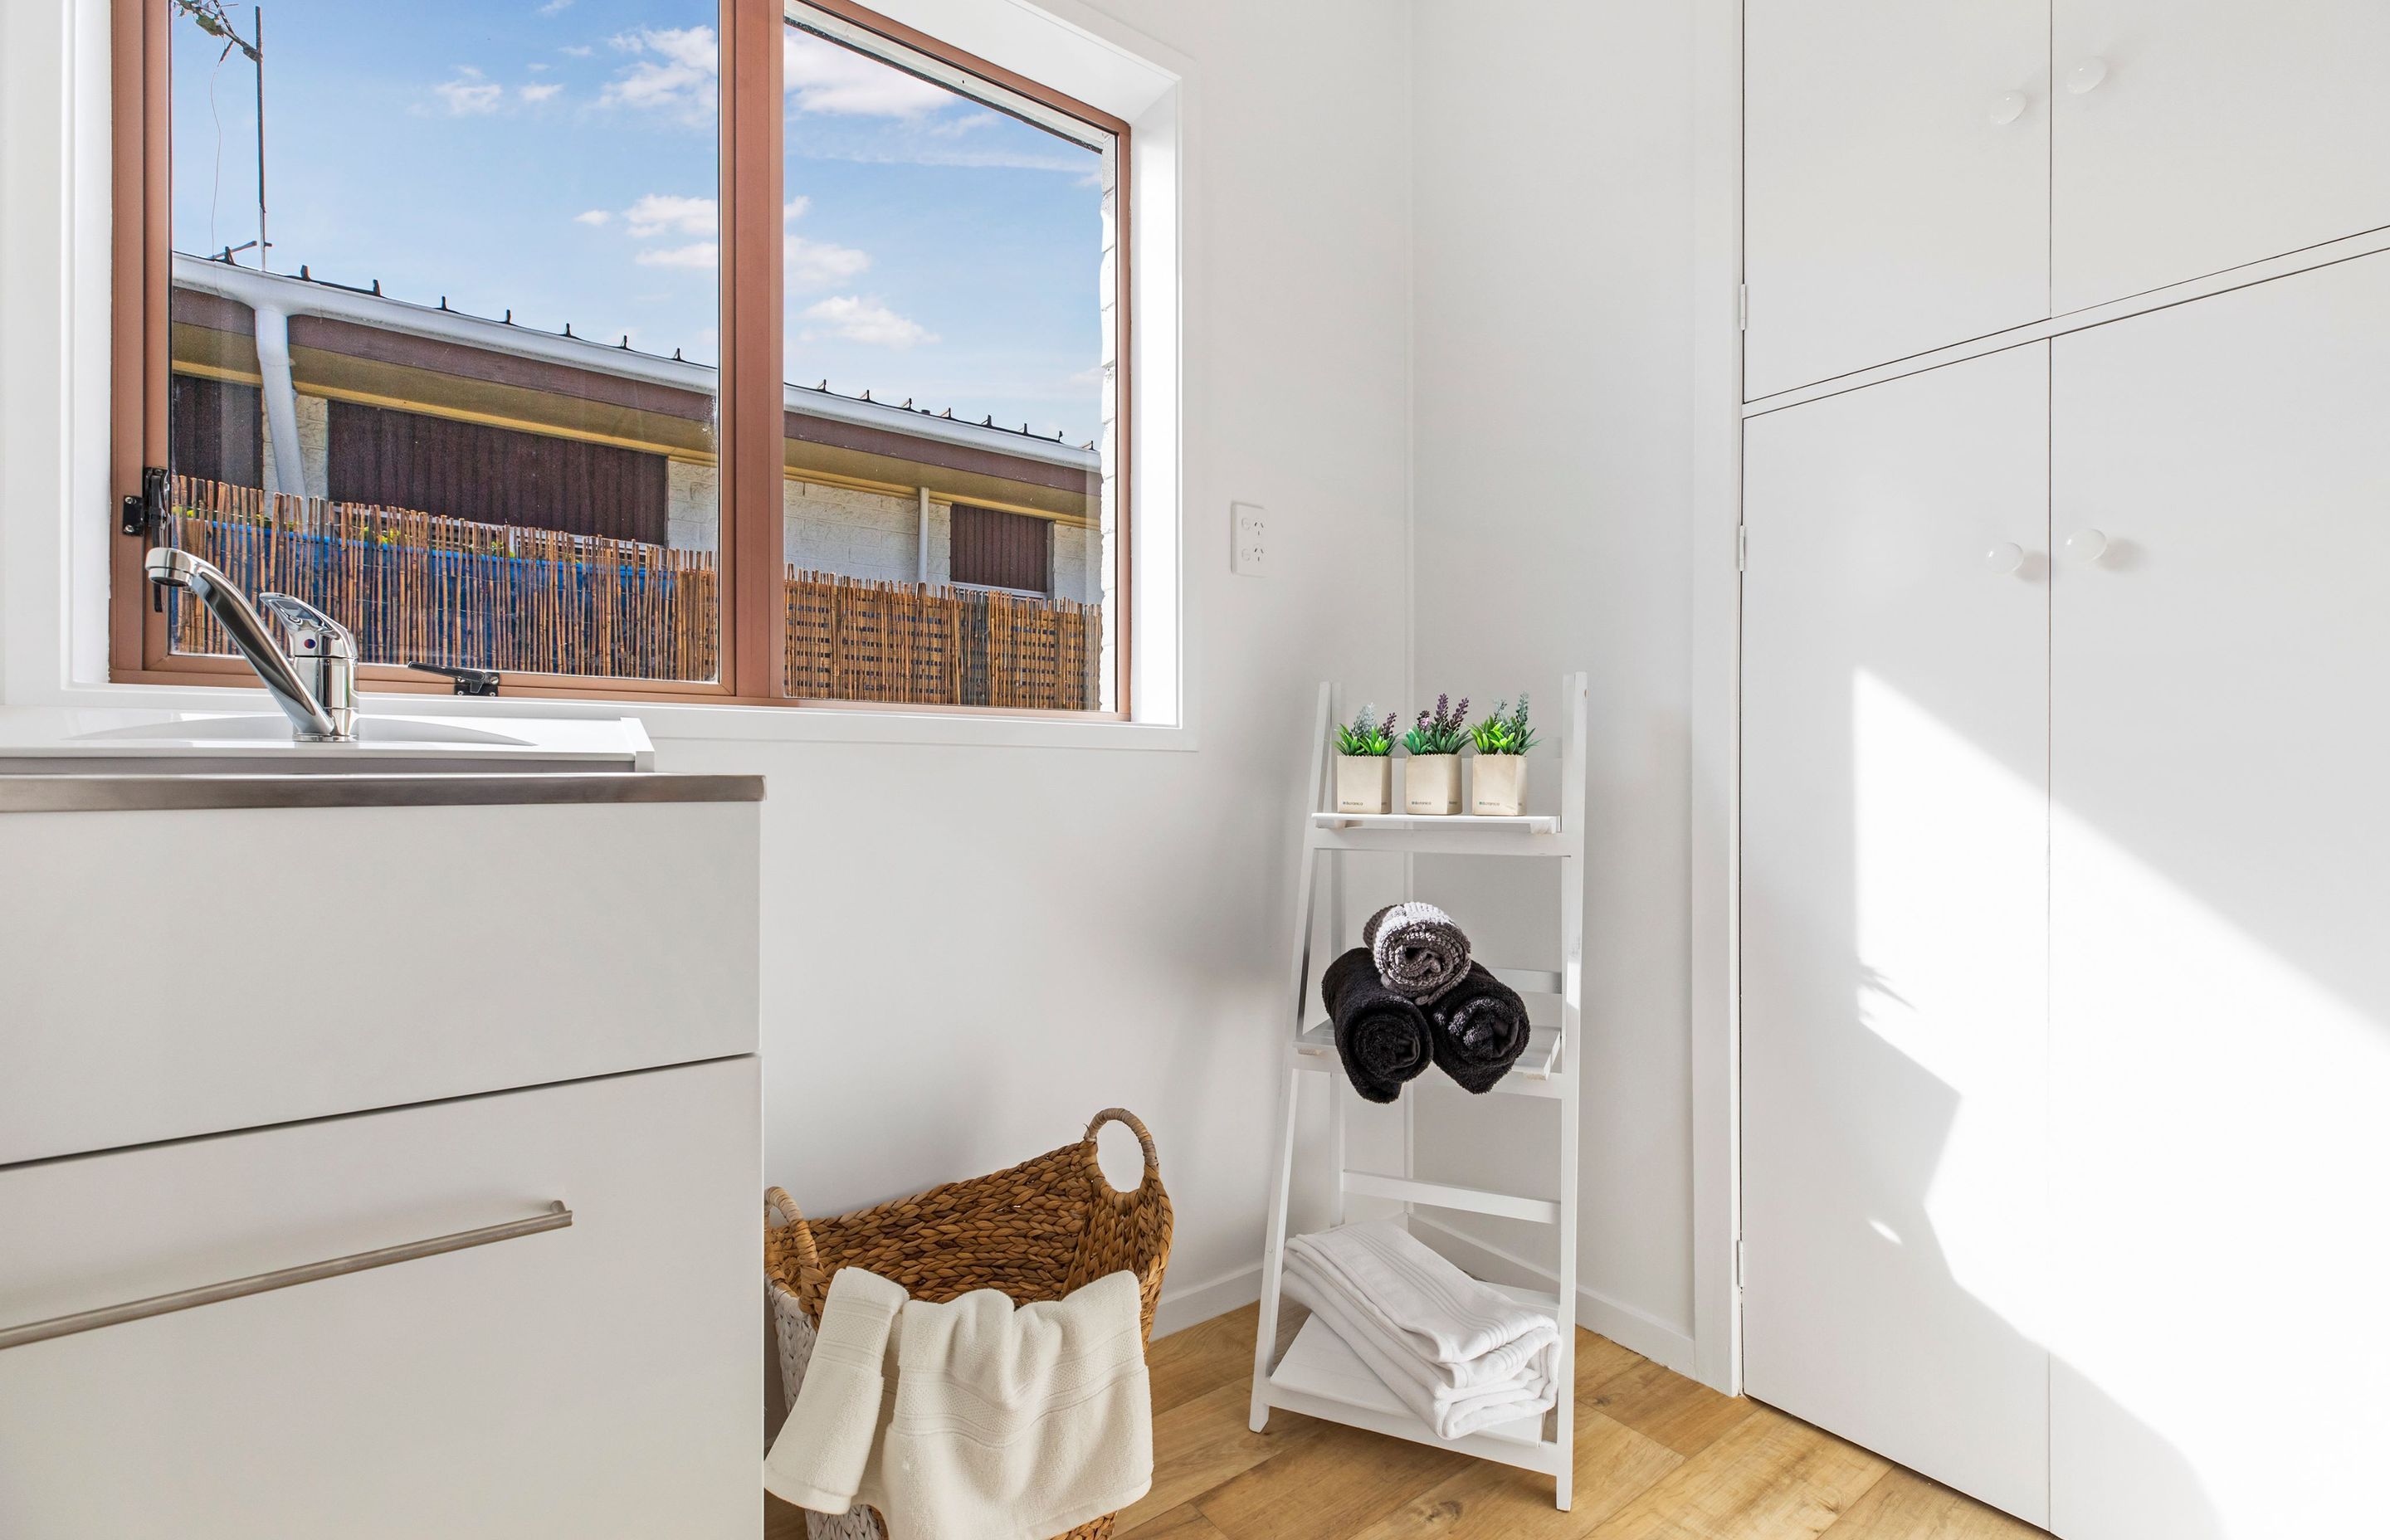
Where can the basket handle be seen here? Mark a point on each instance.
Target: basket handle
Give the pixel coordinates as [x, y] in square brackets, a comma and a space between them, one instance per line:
[778, 1205]
[1144, 1142]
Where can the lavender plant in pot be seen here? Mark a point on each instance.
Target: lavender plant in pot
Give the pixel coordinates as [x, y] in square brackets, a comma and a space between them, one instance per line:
[1432, 776]
[1498, 781]
[1365, 763]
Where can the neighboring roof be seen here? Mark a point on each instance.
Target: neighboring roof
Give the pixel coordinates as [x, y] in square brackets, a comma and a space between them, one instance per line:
[310, 297]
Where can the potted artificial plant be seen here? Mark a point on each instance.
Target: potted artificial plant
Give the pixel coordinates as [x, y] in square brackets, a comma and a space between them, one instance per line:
[1365, 763]
[1498, 783]
[1431, 780]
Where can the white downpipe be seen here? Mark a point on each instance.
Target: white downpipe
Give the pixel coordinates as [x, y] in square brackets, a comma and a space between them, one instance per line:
[282, 395]
[922, 546]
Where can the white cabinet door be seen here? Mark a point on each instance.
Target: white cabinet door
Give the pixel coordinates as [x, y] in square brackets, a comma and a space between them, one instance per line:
[2194, 135]
[1894, 919]
[2220, 952]
[598, 1380]
[1897, 178]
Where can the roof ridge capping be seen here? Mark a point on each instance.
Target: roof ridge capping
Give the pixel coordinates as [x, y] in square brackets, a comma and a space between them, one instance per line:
[296, 295]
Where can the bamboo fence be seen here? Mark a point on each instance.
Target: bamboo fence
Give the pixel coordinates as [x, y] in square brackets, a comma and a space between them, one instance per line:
[857, 639]
[419, 587]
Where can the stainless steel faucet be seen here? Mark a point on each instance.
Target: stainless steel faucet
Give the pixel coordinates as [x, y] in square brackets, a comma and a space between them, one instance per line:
[313, 679]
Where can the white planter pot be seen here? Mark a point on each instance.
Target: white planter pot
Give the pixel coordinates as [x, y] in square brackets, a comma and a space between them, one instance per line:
[1432, 784]
[1498, 785]
[1365, 783]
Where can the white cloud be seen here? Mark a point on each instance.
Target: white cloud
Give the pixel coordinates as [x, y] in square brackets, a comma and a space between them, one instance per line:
[795, 208]
[698, 254]
[817, 263]
[591, 216]
[658, 212]
[468, 93]
[576, 50]
[676, 72]
[554, 7]
[868, 321]
[538, 93]
[825, 77]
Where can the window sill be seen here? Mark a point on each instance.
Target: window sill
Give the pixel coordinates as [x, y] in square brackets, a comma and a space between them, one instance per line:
[685, 723]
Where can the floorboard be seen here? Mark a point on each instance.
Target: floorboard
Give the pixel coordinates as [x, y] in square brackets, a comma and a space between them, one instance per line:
[1658, 1458]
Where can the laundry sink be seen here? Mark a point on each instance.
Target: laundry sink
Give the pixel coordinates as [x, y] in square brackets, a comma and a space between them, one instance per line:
[259, 743]
[274, 728]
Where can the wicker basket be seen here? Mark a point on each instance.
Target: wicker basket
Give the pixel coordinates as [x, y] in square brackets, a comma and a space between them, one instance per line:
[1036, 1232]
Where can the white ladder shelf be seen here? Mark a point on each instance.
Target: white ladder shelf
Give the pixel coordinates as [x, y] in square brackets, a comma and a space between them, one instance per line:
[1314, 1378]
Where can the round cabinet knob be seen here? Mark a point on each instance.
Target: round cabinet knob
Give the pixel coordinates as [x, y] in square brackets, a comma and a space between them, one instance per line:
[2007, 107]
[2086, 545]
[2086, 76]
[2005, 556]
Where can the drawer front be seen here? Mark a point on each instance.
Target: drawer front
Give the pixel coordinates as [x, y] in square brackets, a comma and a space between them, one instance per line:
[599, 1379]
[179, 973]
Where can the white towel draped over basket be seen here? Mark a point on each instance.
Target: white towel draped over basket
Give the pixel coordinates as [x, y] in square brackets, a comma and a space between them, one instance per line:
[996, 1424]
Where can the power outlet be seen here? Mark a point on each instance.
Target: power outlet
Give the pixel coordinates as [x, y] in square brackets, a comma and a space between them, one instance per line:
[1249, 540]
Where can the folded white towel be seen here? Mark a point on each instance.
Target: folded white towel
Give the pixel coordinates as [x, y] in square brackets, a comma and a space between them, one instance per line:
[1461, 1354]
[1003, 1424]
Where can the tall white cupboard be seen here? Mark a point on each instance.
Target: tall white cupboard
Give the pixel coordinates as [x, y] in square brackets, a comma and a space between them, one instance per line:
[2065, 842]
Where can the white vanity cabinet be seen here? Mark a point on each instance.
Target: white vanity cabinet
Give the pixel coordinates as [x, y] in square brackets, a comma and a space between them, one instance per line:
[448, 1102]
[594, 1379]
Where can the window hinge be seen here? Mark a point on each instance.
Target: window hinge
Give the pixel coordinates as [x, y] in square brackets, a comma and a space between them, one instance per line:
[144, 514]
[1742, 306]
[1738, 1261]
[1742, 547]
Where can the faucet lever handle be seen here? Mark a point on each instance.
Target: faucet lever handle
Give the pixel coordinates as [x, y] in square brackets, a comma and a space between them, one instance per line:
[313, 632]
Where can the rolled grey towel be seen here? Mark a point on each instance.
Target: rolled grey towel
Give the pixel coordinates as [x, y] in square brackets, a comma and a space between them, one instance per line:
[1418, 950]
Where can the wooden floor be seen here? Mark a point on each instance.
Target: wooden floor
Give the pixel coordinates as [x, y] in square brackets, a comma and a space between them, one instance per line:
[1658, 1458]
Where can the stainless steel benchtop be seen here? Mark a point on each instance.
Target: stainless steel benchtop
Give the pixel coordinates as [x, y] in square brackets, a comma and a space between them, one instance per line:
[112, 793]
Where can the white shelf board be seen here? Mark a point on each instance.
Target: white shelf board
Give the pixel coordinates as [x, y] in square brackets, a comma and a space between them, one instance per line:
[1532, 1075]
[1530, 823]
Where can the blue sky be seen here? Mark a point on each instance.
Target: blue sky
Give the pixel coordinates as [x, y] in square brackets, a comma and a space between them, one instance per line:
[559, 159]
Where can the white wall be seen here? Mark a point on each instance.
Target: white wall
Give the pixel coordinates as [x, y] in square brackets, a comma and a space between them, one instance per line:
[973, 946]
[1553, 193]
[969, 951]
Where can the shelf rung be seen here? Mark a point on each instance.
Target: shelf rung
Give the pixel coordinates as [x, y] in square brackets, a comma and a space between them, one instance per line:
[1370, 1183]
[1536, 1073]
[1531, 823]
[1528, 980]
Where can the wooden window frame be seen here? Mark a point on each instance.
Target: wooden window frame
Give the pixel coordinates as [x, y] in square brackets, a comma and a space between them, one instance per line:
[749, 408]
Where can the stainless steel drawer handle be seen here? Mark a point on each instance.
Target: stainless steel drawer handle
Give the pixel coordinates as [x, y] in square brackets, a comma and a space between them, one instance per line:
[558, 1217]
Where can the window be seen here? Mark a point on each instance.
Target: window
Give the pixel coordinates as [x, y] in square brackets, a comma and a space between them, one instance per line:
[708, 350]
[995, 550]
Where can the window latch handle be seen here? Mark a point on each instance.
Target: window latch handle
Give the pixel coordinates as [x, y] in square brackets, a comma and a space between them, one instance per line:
[146, 512]
[469, 681]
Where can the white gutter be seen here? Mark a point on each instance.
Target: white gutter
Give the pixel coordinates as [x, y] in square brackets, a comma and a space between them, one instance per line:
[294, 295]
[282, 395]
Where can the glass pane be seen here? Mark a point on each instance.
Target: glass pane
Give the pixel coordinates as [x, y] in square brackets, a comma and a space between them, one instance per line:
[451, 378]
[948, 532]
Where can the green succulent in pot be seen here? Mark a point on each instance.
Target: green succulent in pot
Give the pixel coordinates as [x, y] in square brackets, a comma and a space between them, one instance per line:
[1506, 731]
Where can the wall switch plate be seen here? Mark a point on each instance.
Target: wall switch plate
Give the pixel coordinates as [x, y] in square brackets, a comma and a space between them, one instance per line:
[1249, 539]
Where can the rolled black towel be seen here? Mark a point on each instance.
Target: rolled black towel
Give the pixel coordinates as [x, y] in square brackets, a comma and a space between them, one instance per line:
[1419, 951]
[1382, 1038]
[1480, 1028]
